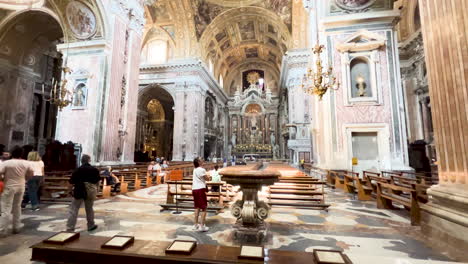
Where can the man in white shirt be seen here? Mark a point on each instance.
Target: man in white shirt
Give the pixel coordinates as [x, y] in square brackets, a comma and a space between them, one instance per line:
[15, 173]
[199, 194]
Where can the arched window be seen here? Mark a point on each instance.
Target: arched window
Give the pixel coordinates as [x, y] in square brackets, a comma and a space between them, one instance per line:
[211, 66]
[155, 52]
[360, 78]
[221, 81]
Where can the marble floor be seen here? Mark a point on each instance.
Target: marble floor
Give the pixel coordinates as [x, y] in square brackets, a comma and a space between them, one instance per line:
[362, 231]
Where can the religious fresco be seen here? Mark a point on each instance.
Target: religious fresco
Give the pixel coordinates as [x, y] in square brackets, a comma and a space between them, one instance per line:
[226, 45]
[81, 20]
[338, 7]
[353, 4]
[205, 12]
[80, 95]
[159, 12]
[247, 30]
[283, 8]
[220, 36]
[251, 52]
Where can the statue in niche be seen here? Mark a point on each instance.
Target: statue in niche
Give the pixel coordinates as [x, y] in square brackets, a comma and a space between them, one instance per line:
[272, 139]
[253, 121]
[275, 152]
[79, 97]
[253, 136]
[361, 86]
[233, 139]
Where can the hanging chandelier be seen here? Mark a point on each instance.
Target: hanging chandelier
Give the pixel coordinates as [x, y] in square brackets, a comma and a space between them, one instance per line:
[59, 95]
[317, 81]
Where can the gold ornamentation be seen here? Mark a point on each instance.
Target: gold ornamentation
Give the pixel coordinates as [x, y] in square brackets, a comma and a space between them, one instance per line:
[253, 77]
[59, 94]
[318, 82]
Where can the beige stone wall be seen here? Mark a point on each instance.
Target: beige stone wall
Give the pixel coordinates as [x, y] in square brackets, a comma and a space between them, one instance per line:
[445, 36]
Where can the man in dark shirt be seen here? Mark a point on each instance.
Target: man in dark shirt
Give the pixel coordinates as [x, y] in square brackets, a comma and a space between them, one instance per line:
[84, 181]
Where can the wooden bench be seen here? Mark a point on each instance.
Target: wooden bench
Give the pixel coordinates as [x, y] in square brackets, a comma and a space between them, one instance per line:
[171, 194]
[349, 181]
[388, 193]
[371, 178]
[339, 180]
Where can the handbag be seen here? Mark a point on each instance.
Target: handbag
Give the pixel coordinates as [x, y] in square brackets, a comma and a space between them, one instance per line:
[91, 190]
[2, 185]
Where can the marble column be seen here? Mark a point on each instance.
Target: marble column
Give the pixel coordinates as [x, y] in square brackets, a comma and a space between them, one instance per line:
[445, 217]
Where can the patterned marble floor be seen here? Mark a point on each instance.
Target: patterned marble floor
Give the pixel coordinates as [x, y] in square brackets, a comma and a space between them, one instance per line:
[362, 231]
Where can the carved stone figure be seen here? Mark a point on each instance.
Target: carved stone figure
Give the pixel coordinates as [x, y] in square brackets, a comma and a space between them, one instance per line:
[233, 139]
[272, 139]
[275, 152]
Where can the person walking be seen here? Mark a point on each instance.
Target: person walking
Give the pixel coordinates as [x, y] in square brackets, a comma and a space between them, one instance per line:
[34, 184]
[199, 194]
[15, 173]
[84, 181]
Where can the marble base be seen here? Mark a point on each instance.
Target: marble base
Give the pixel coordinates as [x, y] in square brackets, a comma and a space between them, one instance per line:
[444, 220]
[246, 234]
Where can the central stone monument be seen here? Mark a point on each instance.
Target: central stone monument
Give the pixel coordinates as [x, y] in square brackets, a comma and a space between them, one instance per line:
[250, 211]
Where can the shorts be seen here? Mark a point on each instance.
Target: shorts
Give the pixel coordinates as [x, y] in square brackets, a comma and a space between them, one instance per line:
[199, 199]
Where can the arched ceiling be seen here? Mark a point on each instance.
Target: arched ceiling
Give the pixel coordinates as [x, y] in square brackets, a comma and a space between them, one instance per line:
[245, 33]
[24, 40]
[225, 32]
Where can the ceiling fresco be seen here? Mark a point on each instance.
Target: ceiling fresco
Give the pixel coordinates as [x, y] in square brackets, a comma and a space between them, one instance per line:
[207, 10]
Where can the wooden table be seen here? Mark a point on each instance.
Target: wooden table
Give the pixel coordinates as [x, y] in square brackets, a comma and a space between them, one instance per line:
[87, 249]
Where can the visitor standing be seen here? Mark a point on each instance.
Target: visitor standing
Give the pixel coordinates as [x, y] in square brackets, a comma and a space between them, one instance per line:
[34, 184]
[156, 171]
[199, 194]
[84, 181]
[215, 177]
[15, 173]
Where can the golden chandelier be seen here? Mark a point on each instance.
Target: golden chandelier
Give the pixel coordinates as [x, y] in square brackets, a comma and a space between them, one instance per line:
[319, 81]
[59, 94]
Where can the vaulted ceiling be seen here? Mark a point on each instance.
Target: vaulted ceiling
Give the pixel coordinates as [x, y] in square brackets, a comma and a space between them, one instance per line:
[226, 33]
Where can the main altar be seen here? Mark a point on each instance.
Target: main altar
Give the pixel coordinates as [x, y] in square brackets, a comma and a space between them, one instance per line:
[253, 121]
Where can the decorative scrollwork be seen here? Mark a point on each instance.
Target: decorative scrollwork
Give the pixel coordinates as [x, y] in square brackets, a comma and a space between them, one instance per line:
[236, 209]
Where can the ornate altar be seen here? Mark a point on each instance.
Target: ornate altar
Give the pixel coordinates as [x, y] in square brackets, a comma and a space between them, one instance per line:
[253, 120]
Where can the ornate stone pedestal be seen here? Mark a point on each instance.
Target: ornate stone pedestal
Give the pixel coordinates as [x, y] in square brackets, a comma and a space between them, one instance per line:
[250, 212]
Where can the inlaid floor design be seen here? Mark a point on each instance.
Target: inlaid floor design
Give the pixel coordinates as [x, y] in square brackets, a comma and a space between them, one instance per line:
[362, 231]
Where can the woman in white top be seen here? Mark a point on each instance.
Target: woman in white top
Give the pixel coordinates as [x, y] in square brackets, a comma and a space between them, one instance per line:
[199, 194]
[34, 184]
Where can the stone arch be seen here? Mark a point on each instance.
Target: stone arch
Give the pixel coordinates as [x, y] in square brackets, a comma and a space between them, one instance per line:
[155, 135]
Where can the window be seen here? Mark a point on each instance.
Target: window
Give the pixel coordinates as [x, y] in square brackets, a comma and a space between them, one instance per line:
[210, 65]
[360, 78]
[365, 146]
[155, 52]
[221, 81]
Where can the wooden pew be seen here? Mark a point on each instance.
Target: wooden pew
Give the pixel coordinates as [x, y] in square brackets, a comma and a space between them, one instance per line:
[388, 193]
[339, 179]
[371, 178]
[349, 184]
[170, 200]
[123, 185]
